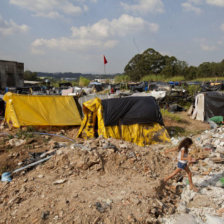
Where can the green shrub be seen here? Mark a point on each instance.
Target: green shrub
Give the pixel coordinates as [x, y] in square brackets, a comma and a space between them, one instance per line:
[83, 81]
[162, 78]
[193, 89]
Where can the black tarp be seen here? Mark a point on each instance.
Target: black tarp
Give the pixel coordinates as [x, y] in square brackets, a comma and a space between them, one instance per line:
[2, 107]
[131, 110]
[207, 87]
[175, 108]
[214, 104]
[140, 87]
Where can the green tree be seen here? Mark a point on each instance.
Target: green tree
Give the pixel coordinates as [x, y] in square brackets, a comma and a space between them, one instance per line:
[205, 70]
[83, 81]
[122, 78]
[152, 62]
[31, 76]
[191, 73]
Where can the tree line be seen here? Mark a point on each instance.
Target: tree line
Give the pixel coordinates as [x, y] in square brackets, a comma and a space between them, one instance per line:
[151, 62]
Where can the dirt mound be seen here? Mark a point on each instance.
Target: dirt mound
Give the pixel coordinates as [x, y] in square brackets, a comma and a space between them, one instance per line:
[98, 181]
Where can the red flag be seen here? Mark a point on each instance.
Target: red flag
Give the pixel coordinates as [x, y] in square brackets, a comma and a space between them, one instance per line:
[105, 60]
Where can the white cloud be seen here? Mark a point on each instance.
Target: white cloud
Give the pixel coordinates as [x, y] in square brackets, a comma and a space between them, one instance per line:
[192, 5]
[117, 27]
[103, 34]
[51, 15]
[206, 47]
[222, 27]
[10, 27]
[188, 6]
[216, 2]
[51, 8]
[195, 1]
[144, 6]
[154, 27]
[69, 44]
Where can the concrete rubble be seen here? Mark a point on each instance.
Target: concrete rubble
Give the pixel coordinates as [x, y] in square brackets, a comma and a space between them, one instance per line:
[207, 206]
[113, 181]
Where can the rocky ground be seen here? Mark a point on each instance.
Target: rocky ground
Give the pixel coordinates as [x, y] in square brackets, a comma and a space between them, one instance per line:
[108, 180]
[206, 206]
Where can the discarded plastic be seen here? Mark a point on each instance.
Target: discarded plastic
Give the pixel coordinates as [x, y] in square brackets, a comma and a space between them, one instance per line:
[7, 175]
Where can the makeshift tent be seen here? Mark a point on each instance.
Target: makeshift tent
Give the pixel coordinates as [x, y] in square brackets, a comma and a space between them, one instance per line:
[212, 87]
[134, 119]
[2, 107]
[28, 110]
[140, 87]
[207, 105]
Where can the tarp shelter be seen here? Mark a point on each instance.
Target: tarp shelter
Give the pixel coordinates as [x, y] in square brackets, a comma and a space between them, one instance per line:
[207, 105]
[2, 107]
[143, 86]
[134, 119]
[28, 110]
[212, 87]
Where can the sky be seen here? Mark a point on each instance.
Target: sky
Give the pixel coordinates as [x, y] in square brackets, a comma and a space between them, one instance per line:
[73, 35]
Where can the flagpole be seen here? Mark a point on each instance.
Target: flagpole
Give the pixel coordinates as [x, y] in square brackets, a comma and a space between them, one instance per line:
[105, 69]
[104, 62]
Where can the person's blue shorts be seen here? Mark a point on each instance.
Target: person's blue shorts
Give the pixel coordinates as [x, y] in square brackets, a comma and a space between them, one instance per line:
[181, 165]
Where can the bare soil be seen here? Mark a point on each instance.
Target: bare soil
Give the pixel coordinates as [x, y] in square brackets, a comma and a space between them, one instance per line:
[112, 182]
[186, 126]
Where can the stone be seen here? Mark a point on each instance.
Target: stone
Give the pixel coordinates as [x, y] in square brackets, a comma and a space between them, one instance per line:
[99, 207]
[44, 215]
[185, 219]
[211, 219]
[109, 202]
[201, 201]
[219, 184]
[123, 146]
[16, 142]
[60, 214]
[61, 181]
[220, 211]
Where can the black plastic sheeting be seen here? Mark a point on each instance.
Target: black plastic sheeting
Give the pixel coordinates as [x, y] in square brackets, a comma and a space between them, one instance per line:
[2, 107]
[140, 87]
[214, 104]
[131, 110]
[207, 87]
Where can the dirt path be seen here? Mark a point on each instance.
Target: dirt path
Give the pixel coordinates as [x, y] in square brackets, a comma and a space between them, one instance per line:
[186, 126]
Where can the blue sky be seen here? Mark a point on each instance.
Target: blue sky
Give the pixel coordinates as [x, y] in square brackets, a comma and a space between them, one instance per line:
[73, 35]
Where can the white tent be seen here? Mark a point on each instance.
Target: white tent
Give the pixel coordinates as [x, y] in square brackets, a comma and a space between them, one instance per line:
[207, 105]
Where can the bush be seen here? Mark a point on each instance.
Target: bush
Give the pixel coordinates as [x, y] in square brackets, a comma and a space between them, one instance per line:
[193, 89]
[162, 78]
[83, 81]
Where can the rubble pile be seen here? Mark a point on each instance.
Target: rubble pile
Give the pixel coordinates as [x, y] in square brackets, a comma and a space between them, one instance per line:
[96, 181]
[113, 181]
[206, 206]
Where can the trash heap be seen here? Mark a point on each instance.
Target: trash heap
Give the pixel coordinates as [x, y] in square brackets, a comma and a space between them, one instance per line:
[206, 206]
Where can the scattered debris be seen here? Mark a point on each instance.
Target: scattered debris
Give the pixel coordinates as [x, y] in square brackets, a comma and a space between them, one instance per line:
[113, 181]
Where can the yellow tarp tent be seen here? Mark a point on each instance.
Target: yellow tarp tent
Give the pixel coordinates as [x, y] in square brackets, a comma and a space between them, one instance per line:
[28, 110]
[140, 134]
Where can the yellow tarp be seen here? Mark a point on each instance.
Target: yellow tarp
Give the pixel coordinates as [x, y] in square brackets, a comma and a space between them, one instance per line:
[28, 110]
[140, 134]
